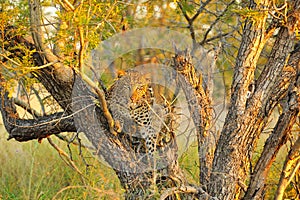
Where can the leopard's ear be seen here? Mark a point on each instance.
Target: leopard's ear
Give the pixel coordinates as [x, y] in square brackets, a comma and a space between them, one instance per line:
[176, 50]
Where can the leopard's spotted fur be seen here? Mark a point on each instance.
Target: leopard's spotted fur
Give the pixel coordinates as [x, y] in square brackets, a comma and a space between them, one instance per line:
[134, 109]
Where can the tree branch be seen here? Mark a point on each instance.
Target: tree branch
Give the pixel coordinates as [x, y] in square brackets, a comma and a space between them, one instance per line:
[97, 131]
[64, 74]
[29, 129]
[26, 107]
[215, 37]
[47, 75]
[219, 17]
[186, 189]
[199, 104]
[277, 139]
[291, 165]
[192, 19]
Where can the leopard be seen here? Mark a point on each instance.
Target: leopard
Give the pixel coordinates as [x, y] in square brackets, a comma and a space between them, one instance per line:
[129, 86]
[135, 110]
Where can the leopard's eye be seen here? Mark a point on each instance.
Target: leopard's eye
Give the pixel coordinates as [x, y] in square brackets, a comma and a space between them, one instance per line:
[141, 88]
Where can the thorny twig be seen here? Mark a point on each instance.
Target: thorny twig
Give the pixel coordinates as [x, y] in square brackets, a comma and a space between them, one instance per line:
[66, 159]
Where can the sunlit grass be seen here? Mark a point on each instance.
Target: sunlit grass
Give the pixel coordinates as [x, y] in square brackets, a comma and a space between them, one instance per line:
[190, 163]
[32, 170]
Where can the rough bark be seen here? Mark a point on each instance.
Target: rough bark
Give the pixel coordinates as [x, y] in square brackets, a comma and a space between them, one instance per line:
[246, 117]
[231, 149]
[281, 132]
[58, 79]
[58, 85]
[199, 104]
[29, 129]
[135, 175]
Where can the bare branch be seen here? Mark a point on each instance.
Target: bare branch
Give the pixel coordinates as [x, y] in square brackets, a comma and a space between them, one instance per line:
[26, 107]
[65, 139]
[291, 166]
[183, 12]
[215, 37]
[66, 5]
[24, 130]
[191, 20]
[102, 99]
[219, 17]
[40, 100]
[200, 10]
[29, 129]
[182, 189]
[64, 156]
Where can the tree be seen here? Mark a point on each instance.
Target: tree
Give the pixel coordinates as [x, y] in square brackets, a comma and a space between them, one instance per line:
[56, 59]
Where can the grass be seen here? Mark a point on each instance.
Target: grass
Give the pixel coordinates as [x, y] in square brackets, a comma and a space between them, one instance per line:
[189, 162]
[32, 171]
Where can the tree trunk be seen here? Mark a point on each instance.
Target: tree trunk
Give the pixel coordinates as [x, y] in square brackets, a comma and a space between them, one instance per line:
[247, 113]
[281, 132]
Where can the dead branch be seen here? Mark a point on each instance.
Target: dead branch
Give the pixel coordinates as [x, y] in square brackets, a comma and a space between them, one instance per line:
[66, 159]
[185, 189]
[291, 166]
[26, 107]
[29, 129]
